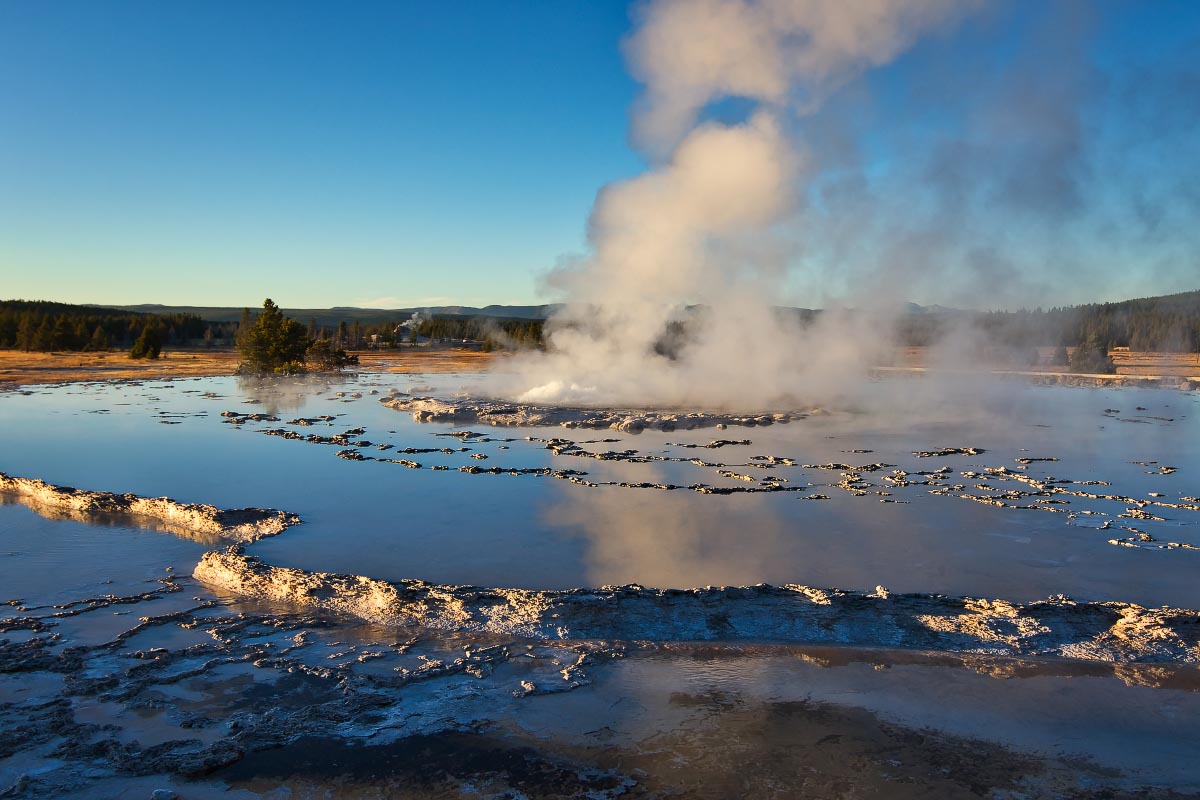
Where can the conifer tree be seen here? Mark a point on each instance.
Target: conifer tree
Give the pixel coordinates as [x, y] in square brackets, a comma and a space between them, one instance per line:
[273, 343]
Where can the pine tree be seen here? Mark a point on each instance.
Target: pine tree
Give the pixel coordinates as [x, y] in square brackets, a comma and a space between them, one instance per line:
[63, 334]
[274, 343]
[1092, 357]
[149, 343]
[43, 338]
[26, 329]
[99, 340]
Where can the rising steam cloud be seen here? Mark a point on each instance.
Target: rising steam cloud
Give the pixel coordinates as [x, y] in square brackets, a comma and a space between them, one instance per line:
[784, 54]
[675, 302]
[697, 228]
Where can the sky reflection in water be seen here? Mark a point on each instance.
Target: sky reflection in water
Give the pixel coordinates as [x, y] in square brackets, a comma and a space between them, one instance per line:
[390, 522]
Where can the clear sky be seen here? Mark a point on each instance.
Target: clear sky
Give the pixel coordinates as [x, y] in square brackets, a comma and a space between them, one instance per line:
[401, 153]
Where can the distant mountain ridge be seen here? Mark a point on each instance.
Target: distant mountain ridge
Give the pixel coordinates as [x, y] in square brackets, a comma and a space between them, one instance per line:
[332, 316]
[1185, 302]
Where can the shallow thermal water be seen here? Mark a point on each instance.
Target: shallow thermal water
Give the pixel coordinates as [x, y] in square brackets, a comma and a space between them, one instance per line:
[120, 673]
[392, 522]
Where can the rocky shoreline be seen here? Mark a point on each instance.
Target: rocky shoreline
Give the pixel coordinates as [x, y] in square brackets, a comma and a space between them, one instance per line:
[526, 415]
[235, 525]
[1055, 628]
[500, 413]
[194, 696]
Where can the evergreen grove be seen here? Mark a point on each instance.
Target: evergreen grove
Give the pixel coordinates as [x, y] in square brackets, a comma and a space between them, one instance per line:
[43, 326]
[1166, 324]
[1169, 324]
[272, 342]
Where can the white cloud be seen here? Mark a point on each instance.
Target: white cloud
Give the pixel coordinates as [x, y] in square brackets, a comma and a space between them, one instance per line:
[400, 302]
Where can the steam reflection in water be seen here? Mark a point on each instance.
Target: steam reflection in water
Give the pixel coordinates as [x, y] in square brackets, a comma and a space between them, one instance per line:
[388, 522]
[677, 539]
[681, 539]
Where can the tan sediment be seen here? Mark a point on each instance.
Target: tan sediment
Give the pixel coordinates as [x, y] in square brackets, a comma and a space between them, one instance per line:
[1056, 627]
[405, 360]
[20, 368]
[205, 522]
[1128, 363]
[1184, 381]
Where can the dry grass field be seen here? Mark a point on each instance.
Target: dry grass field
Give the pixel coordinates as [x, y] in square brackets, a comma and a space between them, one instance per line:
[18, 367]
[1180, 364]
[1131, 363]
[423, 360]
[21, 368]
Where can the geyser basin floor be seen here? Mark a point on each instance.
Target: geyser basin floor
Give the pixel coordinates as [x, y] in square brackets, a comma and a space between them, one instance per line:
[270, 703]
[1058, 627]
[714, 726]
[99, 702]
[45, 561]
[391, 521]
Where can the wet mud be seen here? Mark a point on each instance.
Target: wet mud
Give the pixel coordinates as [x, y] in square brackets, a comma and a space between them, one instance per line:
[802, 749]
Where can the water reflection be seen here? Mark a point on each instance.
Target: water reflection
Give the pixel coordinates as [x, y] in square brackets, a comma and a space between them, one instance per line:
[274, 394]
[712, 659]
[681, 539]
[676, 539]
[109, 519]
[769, 709]
[55, 559]
[390, 522]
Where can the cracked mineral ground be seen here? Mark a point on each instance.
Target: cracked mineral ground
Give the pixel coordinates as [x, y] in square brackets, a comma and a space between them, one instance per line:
[382, 586]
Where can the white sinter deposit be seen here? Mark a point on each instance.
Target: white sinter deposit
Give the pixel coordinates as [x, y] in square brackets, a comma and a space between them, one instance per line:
[502, 414]
[237, 525]
[1056, 627]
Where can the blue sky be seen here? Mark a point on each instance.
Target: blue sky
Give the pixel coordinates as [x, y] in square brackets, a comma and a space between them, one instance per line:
[396, 154]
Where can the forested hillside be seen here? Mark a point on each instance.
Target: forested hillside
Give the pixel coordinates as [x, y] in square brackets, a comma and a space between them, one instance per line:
[509, 333]
[40, 325]
[1170, 323]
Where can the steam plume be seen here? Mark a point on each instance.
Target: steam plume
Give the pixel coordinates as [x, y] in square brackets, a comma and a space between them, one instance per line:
[674, 304]
[697, 229]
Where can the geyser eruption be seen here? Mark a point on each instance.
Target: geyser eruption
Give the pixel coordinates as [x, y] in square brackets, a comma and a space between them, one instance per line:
[674, 304]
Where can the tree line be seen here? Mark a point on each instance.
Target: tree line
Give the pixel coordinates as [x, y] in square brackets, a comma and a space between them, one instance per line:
[34, 325]
[1170, 323]
[492, 333]
[47, 326]
[510, 334]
